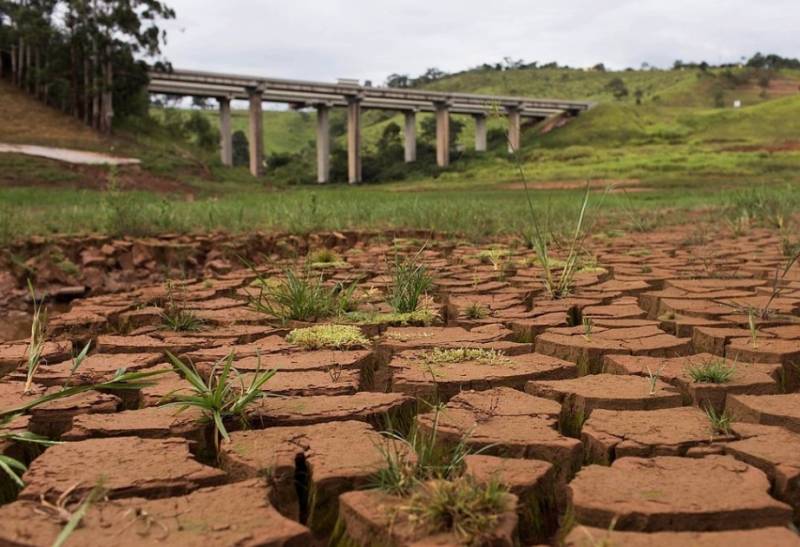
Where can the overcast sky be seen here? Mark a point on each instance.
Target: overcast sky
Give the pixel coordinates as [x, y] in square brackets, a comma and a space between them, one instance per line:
[369, 39]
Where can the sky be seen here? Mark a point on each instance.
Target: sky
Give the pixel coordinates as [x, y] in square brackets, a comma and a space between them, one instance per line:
[369, 39]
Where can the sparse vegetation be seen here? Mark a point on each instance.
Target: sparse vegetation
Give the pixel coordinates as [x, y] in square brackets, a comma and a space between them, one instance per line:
[720, 422]
[302, 297]
[715, 371]
[410, 281]
[461, 355]
[328, 337]
[461, 506]
[224, 396]
[653, 377]
[175, 315]
[37, 339]
[475, 311]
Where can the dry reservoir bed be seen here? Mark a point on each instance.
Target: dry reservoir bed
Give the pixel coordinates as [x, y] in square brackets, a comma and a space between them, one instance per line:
[658, 403]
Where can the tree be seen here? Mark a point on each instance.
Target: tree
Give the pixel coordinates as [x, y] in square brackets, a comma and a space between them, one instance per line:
[241, 148]
[83, 55]
[617, 88]
[398, 80]
[638, 94]
[599, 67]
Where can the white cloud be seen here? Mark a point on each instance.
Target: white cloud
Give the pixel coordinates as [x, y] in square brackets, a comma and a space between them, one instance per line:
[369, 39]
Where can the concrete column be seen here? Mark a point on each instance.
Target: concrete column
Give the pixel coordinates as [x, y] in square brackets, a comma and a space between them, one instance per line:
[354, 140]
[442, 134]
[323, 144]
[410, 136]
[480, 132]
[514, 119]
[256, 135]
[225, 137]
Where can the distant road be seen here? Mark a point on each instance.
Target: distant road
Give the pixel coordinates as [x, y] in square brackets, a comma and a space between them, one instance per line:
[67, 155]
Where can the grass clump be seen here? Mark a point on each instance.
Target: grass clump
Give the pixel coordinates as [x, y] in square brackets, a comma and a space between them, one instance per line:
[461, 506]
[37, 339]
[447, 356]
[301, 298]
[410, 281]
[476, 311]
[720, 421]
[324, 258]
[222, 397]
[328, 337]
[176, 317]
[422, 316]
[712, 372]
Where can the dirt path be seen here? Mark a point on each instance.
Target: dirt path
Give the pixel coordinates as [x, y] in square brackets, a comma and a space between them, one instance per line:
[67, 155]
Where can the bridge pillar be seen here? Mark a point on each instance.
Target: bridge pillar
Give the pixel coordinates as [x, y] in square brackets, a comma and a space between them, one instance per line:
[225, 137]
[410, 136]
[354, 139]
[442, 134]
[323, 144]
[256, 135]
[514, 128]
[480, 132]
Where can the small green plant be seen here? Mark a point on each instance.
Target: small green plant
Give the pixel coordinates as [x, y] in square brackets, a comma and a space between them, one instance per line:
[720, 421]
[224, 396]
[715, 371]
[652, 378]
[410, 281]
[302, 298]
[329, 337]
[495, 257]
[462, 506]
[588, 325]
[448, 356]
[418, 457]
[175, 316]
[751, 324]
[476, 311]
[37, 340]
[559, 276]
[323, 256]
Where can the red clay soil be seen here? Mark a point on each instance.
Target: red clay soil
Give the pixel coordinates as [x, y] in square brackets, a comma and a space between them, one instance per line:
[611, 434]
[779, 410]
[233, 514]
[675, 494]
[372, 517]
[125, 467]
[585, 536]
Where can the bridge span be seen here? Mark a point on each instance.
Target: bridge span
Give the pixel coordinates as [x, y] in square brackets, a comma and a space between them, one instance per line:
[324, 96]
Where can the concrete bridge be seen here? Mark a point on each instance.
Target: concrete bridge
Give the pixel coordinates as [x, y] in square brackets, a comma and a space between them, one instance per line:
[353, 97]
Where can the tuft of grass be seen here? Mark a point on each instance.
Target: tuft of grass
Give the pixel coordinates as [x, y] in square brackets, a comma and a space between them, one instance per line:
[439, 356]
[720, 422]
[224, 396]
[329, 337]
[410, 281]
[751, 324]
[302, 298]
[476, 311]
[652, 379]
[37, 340]
[418, 457]
[587, 327]
[715, 371]
[323, 257]
[422, 316]
[462, 506]
[495, 257]
[175, 316]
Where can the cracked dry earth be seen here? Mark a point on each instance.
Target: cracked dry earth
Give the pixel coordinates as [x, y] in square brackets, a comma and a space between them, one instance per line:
[600, 435]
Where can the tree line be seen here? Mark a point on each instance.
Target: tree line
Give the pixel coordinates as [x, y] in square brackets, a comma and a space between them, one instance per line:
[83, 56]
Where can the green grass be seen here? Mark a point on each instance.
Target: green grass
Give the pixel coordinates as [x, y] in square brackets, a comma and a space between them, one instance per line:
[716, 371]
[328, 337]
